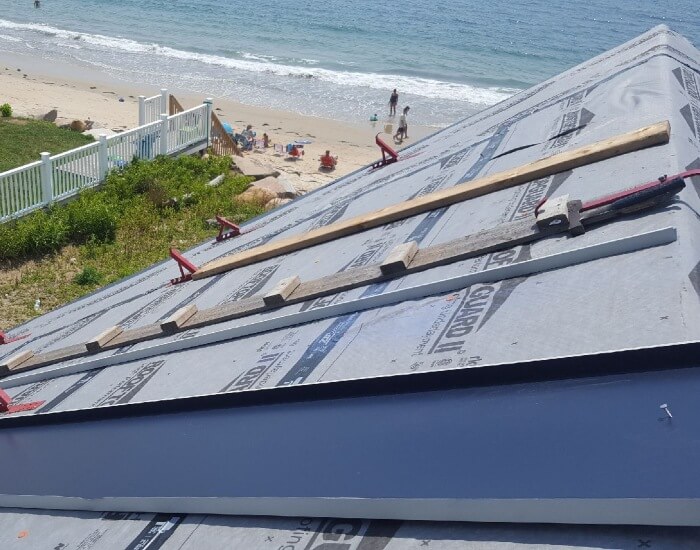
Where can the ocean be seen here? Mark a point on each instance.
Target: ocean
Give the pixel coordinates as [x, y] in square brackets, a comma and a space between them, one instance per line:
[337, 59]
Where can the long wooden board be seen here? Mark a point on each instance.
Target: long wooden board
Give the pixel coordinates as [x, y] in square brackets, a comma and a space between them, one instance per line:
[655, 134]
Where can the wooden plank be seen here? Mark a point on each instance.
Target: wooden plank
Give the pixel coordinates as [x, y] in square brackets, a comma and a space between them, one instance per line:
[502, 237]
[56, 356]
[279, 294]
[135, 336]
[16, 361]
[227, 312]
[179, 318]
[398, 259]
[106, 336]
[624, 143]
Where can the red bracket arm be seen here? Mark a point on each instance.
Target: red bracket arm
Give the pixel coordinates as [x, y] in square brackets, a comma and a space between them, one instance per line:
[389, 155]
[225, 224]
[6, 405]
[5, 339]
[184, 264]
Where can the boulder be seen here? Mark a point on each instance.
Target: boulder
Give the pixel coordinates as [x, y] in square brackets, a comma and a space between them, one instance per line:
[249, 167]
[276, 186]
[274, 203]
[50, 116]
[255, 195]
[78, 126]
[292, 184]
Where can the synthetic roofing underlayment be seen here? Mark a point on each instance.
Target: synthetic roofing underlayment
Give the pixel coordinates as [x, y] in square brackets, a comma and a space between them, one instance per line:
[566, 451]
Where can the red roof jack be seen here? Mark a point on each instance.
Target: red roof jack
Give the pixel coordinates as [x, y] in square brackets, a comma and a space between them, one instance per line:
[5, 339]
[226, 224]
[6, 405]
[184, 264]
[388, 153]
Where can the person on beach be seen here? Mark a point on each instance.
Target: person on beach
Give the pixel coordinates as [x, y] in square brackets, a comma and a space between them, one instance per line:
[328, 161]
[266, 140]
[393, 102]
[402, 132]
[248, 138]
[248, 132]
[37, 3]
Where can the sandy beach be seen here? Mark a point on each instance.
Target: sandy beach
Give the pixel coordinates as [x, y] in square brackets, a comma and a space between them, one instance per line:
[34, 87]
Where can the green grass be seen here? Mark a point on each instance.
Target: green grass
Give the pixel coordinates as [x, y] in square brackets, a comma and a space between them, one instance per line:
[22, 140]
[66, 252]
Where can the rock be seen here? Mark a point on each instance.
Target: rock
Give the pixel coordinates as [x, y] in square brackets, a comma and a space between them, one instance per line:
[50, 116]
[274, 203]
[292, 183]
[249, 167]
[276, 186]
[216, 181]
[255, 196]
[78, 126]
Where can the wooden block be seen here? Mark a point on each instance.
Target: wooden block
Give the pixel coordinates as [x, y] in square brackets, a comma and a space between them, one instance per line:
[97, 343]
[179, 318]
[16, 361]
[554, 212]
[399, 258]
[575, 226]
[278, 295]
[617, 145]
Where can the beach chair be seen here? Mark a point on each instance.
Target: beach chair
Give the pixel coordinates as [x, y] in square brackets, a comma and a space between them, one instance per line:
[279, 149]
[328, 162]
[295, 151]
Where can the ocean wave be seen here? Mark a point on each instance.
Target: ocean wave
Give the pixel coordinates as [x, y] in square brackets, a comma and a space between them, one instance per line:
[255, 63]
[9, 38]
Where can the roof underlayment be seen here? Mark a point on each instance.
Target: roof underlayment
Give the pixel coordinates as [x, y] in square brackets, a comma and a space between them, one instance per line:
[648, 297]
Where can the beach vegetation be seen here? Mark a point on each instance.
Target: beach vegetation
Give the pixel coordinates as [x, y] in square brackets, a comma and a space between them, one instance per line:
[22, 140]
[6, 110]
[61, 253]
[89, 276]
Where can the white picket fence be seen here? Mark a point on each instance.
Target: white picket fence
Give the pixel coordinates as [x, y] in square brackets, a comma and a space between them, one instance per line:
[57, 177]
[150, 108]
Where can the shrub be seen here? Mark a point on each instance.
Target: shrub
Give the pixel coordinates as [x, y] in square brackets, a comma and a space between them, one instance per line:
[88, 276]
[6, 110]
[39, 233]
[91, 218]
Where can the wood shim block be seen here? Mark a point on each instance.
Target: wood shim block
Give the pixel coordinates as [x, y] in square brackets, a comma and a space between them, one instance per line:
[179, 318]
[554, 212]
[97, 343]
[595, 152]
[398, 259]
[16, 361]
[278, 295]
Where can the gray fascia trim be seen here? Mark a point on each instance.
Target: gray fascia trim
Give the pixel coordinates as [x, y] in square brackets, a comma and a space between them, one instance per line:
[575, 511]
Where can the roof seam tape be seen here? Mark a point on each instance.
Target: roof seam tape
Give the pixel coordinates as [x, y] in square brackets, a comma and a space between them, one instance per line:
[560, 260]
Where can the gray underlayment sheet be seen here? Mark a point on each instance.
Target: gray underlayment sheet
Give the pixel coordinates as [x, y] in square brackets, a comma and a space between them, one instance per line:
[644, 298]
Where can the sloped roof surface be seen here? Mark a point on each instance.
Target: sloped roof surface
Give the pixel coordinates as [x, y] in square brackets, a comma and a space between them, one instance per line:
[649, 297]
